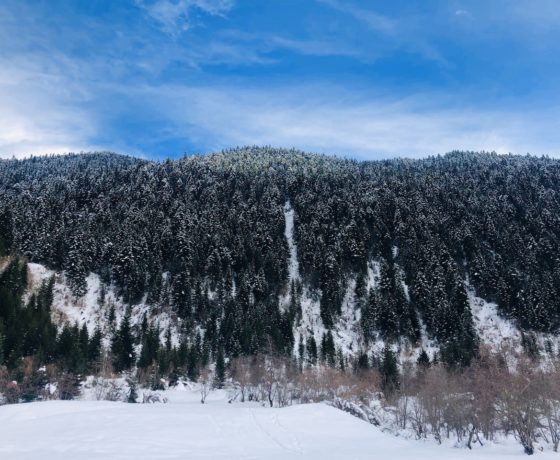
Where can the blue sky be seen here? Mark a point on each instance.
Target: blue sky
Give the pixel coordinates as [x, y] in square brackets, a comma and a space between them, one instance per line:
[366, 79]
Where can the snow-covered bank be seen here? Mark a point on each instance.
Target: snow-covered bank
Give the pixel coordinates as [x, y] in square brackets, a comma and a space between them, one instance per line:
[184, 428]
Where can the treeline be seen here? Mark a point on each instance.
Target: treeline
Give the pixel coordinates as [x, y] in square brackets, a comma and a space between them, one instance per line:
[204, 236]
[40, 361]
[36, 355]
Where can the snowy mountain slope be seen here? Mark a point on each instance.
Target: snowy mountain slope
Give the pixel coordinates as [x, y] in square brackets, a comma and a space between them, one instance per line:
[91, 309]
[493, 330]
[184, 428]
[501, 333]
[224, 226]
[346, 333]
[3, 263]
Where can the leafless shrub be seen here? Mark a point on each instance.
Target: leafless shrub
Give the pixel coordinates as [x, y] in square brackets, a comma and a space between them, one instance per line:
[12, 393]
[517, 403]
[280, 382]
[241, 372]
[108, 389]
[549, 403]
[149, 397]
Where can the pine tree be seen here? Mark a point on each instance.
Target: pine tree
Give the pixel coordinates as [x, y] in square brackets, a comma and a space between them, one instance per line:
[122, 346]
[423, 359]
[220, 369]
[362, 362]
[150, 347]
[75, 268]
[111, 317]
[311, 350]
[389, 371]
[192, 363]
[328, 349]
[84, 341]
[144, 326]
[1, 344]
[94, 349]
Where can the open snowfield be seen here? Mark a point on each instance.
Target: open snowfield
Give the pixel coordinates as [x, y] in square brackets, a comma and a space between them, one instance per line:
[185, 429]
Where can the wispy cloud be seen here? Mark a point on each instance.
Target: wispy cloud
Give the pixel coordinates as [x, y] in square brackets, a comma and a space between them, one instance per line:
[40, 122]
[310, 47]
[372, 19]
[368, 127]
[408, 32]
[55, 116]
[174, 17]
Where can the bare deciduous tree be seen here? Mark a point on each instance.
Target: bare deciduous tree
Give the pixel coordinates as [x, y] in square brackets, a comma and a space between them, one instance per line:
[206, 383]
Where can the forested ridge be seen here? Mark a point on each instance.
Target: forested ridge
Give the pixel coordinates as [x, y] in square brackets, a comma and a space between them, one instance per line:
[205, 236]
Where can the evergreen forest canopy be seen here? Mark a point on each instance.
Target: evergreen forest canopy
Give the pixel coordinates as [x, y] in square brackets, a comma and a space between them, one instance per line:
[177, 230]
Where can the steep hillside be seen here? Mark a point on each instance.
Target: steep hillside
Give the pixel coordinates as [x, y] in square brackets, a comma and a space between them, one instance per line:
[260, 250]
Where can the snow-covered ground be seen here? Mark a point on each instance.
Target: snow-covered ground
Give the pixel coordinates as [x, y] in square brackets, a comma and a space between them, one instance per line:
[186, 429]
